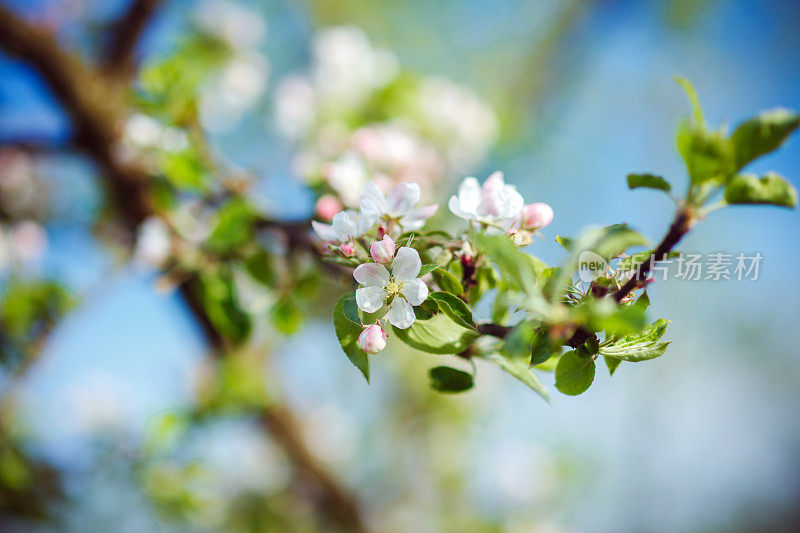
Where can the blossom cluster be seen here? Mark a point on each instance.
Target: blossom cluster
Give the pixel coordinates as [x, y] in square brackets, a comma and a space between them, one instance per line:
[388, 275]
[439, 130]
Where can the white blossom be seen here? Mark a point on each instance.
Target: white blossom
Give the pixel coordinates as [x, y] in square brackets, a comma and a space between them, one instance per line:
[346, 226]
[153, 242]
[495, 203]
[402, 288]
[400, 204]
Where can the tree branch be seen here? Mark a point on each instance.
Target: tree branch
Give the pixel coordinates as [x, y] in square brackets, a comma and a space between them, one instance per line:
[96, 107]
[120, 58]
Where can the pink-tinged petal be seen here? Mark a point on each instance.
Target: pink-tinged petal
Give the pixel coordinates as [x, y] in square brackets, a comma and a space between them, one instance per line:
[494, 184]
[406, 265]
[324, 231]
[401, 314]
[371, 275]
[372, 202]
[373, 339]
[415, 291]
[382, 251]
[402, 198]
[370, 299]
[416, 218]
[537, 215]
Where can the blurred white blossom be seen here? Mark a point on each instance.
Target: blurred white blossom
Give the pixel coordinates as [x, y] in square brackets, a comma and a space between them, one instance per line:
[153, 243]
[231, 22]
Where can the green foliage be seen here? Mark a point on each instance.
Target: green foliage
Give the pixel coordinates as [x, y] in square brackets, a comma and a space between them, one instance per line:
[261, 267]
[455, 308]
[347, 332]
[232, 227]
[29, 306]
[521, 371]
[770, 189]
[574, 374]
[286, 316]
[447, 281]
[650, 181]
[220, 306]
[446, 379]
[438, 335]
[639, 346]
[762, 134]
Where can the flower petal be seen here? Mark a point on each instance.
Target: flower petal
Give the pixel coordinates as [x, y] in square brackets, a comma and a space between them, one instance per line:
[372, 202]
[406, 265]
[469, 195]
[370, 299]
[344, 225]
[417, 216]
[324, 231]
[415, 291]
[455, 207]
[402, 198]
[371, 275]
[401, 314]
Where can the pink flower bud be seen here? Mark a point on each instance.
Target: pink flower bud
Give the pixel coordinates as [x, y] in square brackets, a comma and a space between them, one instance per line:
[327, 206]
[536, 215]
[382, 251]
[373, 339]
[347, 249]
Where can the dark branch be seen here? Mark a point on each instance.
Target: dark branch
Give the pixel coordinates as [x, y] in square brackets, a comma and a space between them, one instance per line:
[120, 59]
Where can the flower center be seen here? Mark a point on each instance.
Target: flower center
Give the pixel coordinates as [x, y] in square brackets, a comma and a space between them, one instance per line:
[393, 287]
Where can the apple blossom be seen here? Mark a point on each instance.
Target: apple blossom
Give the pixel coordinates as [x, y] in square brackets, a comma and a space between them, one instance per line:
[347, 249]
[401, 204]
[402, 289]
[537, 215]
[153, 242]
[495, 203]
[346, 226]
[382, 251]
[373, 339]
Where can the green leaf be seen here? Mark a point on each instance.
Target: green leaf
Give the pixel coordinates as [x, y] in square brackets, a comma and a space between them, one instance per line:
[770, 189]
[517, 344]
[447, 281]
[762, 134]
[220, 305]
[426, 269]
[521, 371]
[541, 348]
[574, 374]
[286, 316]
[639, 346]
[184, 170]
[516, 269]
[455, 308]
[708, 155]
[446, 379]
[261, 268]
[691, 94]
[649, 181]
[233, 227]
[612, 364]
[565, 242]
[350, 309]
[439, 335]
[347, 332]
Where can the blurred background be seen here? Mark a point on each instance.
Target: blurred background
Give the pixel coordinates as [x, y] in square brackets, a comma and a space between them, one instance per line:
[566, 98]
